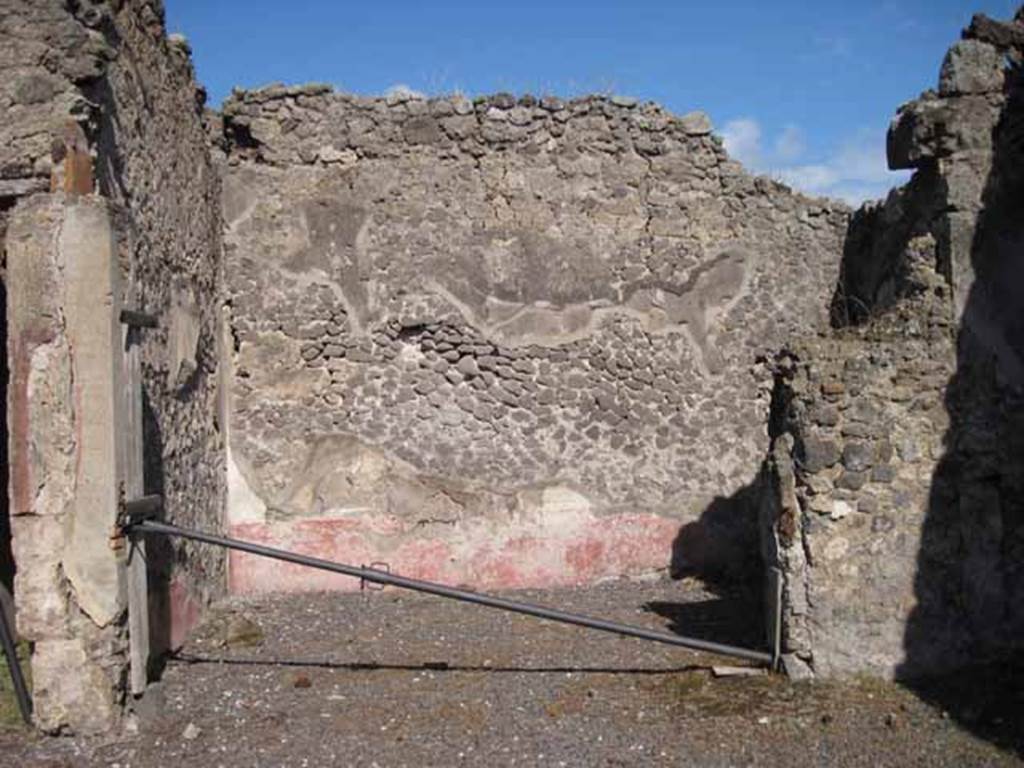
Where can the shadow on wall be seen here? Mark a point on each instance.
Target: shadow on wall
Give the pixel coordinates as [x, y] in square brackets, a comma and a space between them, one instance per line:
[874, 274]
[970, 571]
[159, 552]
[722, 550]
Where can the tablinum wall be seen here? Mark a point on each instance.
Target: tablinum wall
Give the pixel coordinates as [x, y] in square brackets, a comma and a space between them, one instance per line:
[507, 342]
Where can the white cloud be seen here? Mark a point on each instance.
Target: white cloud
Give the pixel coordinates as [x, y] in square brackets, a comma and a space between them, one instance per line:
[854, 171]
[742, 140]
[790, 143]
[809, 177]
[401, 89]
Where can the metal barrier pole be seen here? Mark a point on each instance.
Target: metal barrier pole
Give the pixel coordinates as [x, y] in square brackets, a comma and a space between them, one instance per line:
[11, 652]
[777, 583]
[382, 577]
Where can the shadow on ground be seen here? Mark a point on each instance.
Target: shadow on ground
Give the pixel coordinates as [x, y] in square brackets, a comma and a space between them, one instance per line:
[427, 666]
[733, 618]
[986, 699]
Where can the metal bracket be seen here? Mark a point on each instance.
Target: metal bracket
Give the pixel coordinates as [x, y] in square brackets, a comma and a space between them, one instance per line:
[129, 514]
[138, 319]
[137, 510]
[367, 586]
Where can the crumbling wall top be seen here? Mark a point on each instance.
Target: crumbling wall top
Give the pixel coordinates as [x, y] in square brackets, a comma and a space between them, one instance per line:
[313, 124]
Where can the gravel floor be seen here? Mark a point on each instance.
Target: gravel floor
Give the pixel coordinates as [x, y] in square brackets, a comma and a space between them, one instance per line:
[395, 679]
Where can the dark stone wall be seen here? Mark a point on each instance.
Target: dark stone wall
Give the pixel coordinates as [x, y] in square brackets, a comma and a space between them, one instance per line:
[897, 467]
[148, 134]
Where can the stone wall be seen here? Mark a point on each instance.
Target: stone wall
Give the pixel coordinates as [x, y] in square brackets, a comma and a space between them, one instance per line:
[109, 200]
[63, 401]
[41, 59]
[504, 342]
[153, 164]
[897, 459]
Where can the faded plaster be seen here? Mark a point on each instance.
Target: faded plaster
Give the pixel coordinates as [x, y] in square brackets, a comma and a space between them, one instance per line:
[86, 260]
[477, 302]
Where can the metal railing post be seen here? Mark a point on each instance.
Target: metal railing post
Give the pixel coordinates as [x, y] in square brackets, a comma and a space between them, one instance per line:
[17, 679]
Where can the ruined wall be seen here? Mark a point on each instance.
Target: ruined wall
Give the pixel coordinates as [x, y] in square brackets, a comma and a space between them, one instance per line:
[897, 517]
[103, 153]
[153, 164]
[64, 481]
[41, 58]
[504, 342]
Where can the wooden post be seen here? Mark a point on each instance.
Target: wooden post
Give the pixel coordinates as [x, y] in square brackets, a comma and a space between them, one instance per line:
[133, 488]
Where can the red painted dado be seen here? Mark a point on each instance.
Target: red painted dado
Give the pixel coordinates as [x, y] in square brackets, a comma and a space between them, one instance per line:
[185, 613]
[594, 549]
[23, 486]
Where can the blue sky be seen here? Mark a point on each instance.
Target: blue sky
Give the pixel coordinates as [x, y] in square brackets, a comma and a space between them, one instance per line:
[799, 90]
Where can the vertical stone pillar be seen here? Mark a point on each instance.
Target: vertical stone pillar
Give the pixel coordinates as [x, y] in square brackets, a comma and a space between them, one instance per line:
[64, 356]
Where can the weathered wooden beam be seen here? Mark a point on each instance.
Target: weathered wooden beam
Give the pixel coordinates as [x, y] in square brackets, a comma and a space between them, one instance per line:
[135, 503]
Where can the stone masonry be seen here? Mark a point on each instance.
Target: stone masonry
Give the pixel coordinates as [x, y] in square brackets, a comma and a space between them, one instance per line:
[505, 342]
[500, 342]
[108, 199]
[897, 459]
